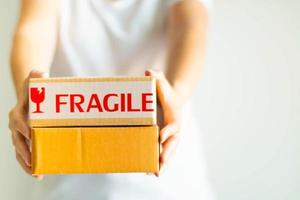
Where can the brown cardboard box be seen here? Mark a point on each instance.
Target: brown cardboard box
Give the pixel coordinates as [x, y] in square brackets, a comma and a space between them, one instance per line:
[95, 150]
[76, 125]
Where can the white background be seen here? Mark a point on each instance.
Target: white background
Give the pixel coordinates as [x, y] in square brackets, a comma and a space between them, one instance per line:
[248, 101]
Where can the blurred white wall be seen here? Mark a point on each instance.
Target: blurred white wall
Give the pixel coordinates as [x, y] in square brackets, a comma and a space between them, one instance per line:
[14, 184]
[248, 101]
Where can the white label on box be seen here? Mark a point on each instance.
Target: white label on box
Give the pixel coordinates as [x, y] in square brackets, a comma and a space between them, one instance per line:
[92, 100]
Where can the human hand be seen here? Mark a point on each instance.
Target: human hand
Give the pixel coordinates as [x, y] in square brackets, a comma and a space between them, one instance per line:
[171, 104]
[20, 131]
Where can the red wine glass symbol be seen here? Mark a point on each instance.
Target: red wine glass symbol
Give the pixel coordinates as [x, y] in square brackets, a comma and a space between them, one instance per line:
[37, 96]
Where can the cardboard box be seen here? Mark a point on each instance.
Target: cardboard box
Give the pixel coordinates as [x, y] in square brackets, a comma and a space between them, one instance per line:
[114, 101]
[77, 125]
[95, 150]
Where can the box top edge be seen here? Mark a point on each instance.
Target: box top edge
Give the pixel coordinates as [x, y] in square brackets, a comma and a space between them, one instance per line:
[92, 79]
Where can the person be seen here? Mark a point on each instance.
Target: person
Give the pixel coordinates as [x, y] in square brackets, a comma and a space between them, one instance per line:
[165, 39]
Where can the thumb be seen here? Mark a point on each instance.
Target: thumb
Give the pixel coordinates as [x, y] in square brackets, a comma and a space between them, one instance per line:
[163, 87]
[32, 74]
[36, 74]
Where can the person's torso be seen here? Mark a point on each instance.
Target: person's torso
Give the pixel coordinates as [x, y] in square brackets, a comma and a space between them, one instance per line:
[110, 37]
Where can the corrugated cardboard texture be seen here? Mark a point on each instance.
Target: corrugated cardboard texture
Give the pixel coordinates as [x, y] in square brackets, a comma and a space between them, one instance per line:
[50, 101]
[95, 150]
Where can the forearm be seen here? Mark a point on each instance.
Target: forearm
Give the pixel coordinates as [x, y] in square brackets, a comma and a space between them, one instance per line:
[187, 27]
[30, 51]
[34, 41]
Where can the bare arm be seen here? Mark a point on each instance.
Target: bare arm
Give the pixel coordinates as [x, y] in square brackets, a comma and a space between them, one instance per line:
[33, 48]
[186, 33]
[187, 28]
[34, 39]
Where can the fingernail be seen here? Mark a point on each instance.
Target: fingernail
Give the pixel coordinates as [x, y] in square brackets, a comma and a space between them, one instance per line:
[28, 163]
[38, 177]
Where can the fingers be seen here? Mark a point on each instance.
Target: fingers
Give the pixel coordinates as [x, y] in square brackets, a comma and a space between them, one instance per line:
[26, 168]
[19, 127]
[168, 149]
[171, 110]
[23, 155]
[21, 147]
[17, 122]
[168, 130]
[22, 127]
[169, 137]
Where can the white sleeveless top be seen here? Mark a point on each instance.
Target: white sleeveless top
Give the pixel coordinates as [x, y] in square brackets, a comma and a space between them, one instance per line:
[122, 37]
